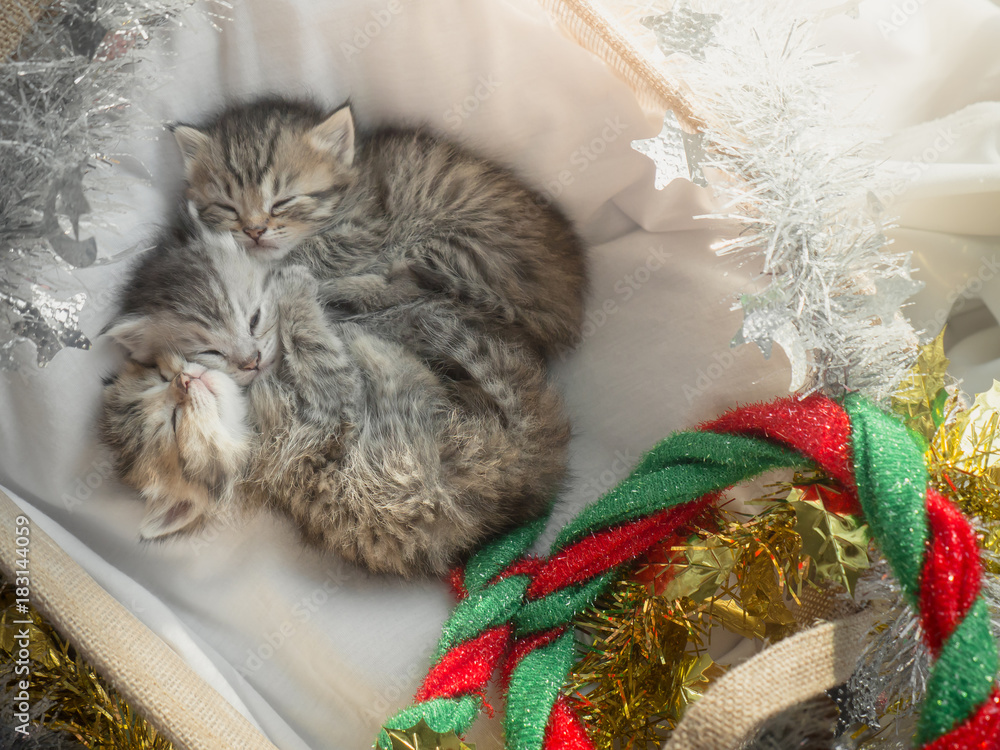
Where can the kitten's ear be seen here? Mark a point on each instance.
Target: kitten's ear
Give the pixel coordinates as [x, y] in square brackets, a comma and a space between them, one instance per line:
[191, 141]
[169, 515]
[336, 135]
[132, 332]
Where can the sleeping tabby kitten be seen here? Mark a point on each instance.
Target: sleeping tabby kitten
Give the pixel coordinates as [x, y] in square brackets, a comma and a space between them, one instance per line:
[399, 440]
[202, 298]
[379, 214]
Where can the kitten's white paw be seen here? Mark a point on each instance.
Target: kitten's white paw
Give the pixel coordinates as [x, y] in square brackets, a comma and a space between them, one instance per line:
[295, 283]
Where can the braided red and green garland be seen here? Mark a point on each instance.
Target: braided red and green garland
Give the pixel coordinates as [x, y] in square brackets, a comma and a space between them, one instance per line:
[516, 610]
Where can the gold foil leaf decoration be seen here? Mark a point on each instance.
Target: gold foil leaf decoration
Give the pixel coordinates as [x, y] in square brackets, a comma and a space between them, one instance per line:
[706, 565]
[838, 545]
[735, 619]
[692, 678]
[763, 592]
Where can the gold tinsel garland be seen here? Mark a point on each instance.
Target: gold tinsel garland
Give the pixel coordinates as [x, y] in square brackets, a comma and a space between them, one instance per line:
[645, 655]
[962, 442]
[645, 658]
[66, 693]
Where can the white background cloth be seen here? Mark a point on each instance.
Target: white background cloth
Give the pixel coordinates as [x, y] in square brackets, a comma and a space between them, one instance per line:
[930, 72]
[315, 651]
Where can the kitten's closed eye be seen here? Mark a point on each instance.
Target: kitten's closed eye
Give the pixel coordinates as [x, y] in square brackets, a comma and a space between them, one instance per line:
[229, 211]
[279, 206]
[254, 321]
[154, 367]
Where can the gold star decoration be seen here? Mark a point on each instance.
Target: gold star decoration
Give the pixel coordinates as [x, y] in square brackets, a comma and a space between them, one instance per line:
[422, 737]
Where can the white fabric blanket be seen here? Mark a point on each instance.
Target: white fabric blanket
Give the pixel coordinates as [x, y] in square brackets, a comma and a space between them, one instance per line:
[317, 652]
[931, 77]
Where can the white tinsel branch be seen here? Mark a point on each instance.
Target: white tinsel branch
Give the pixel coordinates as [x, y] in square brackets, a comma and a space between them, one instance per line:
[801, 176]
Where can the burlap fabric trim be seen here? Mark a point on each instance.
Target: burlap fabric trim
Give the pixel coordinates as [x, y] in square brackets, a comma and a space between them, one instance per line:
[597, 31]
[154, 679]
[805, 665]
[16, 17]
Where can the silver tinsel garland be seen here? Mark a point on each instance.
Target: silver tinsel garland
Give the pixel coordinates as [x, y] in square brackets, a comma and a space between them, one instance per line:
[802, 178]
[878, 705]
[877, 708]
[65, 100]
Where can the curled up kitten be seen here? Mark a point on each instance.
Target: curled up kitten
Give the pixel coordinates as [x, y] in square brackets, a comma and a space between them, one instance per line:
[366, 443]
[379, 213]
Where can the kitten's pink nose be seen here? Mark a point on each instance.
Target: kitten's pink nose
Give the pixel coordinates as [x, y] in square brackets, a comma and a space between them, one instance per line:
[254, 233]
[182, 382]
[251, 364]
